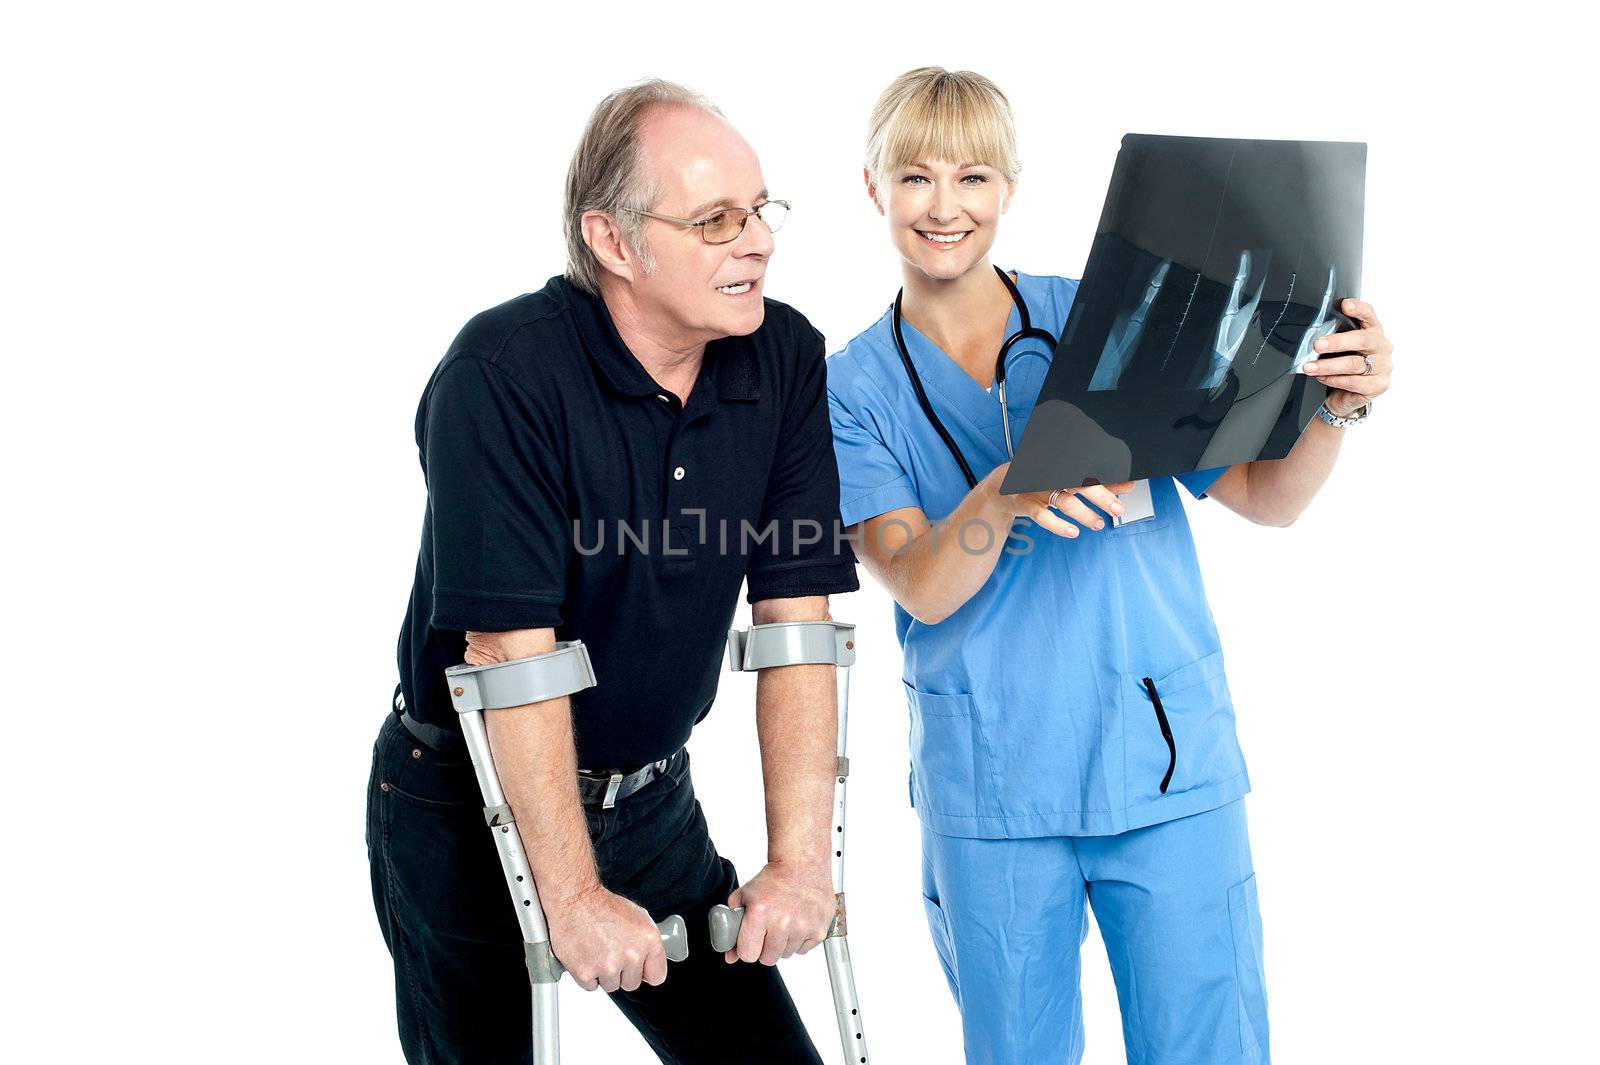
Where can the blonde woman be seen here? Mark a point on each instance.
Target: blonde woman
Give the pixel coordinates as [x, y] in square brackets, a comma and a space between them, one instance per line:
[1072, 733]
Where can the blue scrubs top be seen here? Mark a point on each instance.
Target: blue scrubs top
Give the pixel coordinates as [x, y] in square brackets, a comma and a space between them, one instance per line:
[1029, 711]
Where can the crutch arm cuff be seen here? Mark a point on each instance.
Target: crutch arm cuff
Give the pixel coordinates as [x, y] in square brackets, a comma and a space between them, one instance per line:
[520, 681]
[791, 643]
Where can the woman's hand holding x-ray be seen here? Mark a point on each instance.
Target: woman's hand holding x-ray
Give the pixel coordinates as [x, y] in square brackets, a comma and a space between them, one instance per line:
[1339, 364]
[1071, 502]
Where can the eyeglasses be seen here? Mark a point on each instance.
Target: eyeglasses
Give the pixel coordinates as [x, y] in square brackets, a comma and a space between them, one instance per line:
[726, 224]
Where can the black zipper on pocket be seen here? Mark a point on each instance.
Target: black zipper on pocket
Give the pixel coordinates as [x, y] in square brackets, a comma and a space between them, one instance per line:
[1166, 733]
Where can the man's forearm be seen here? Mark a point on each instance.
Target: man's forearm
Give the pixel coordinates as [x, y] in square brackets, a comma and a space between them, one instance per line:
[538, 768]
[798, 726]
[537, 764]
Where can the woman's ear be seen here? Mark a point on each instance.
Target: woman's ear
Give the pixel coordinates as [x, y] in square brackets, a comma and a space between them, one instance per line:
[601, 233]
[872, 188]
[1011, 190]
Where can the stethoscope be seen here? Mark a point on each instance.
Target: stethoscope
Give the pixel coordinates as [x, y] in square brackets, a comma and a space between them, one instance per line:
[1027, 332]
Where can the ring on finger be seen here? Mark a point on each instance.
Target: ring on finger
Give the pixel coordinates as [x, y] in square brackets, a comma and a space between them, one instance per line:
[1051, 500]
[1368, 371]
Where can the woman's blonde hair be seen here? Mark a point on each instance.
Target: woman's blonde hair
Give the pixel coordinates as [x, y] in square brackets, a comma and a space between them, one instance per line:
[933, 113]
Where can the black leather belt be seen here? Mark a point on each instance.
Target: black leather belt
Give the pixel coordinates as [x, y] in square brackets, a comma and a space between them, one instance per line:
[594, 786]
[441, 740]
[606, 788]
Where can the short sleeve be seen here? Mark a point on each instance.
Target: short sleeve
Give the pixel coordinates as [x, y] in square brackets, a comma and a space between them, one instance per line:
[803, 498]
[501, 534]
[1198, 482]
[871, 479]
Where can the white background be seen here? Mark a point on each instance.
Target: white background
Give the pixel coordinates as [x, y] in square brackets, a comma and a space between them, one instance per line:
[237, 238]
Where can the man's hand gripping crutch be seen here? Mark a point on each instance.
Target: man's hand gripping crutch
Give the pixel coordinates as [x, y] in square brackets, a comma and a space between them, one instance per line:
[790, 643]
[605, 940]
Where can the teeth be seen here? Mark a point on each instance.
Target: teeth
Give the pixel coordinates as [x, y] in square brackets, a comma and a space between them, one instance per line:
[944, 238]
[736, 290]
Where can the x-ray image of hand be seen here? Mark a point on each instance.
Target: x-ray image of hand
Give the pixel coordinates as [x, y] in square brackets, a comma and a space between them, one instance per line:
[1237, 314]
[1321, 326]
[1125, 333]
[1217, 268]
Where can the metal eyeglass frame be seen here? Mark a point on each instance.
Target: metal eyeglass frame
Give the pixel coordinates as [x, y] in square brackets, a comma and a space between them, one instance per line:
[744, 219]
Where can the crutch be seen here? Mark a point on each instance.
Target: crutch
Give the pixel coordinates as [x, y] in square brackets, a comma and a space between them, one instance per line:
[793, 643]
[474, 689]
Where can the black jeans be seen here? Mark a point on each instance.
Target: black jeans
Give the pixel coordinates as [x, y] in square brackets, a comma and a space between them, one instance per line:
[461, 988]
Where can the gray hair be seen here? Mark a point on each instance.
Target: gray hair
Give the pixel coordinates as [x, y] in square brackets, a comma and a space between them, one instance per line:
[608, 174]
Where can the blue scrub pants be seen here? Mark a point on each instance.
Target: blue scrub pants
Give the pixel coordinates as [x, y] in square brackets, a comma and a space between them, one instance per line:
[1176, 906]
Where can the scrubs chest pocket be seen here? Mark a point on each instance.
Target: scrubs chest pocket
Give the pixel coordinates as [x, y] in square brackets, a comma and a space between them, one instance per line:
[1177, 733]
[947, 759]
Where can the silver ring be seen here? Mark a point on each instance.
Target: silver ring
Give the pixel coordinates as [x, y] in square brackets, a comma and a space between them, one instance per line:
[1368, 370]
[1051, 500]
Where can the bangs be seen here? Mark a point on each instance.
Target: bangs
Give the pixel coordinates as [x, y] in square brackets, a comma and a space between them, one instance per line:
[959, 118]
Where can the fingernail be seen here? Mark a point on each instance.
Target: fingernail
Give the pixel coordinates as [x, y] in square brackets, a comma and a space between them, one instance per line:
[1116, 508]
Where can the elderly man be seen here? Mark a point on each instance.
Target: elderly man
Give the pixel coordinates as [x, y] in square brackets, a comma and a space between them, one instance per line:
[607, 459]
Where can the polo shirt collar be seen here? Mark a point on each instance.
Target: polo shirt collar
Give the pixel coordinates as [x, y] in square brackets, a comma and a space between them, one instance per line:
[738, 370]
[732, 360]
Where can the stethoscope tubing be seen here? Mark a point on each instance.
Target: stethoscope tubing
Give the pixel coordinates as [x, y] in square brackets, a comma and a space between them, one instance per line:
[1027, 332]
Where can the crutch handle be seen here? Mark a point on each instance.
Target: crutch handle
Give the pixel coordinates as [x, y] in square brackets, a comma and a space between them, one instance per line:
[725, 924]
[675, 937]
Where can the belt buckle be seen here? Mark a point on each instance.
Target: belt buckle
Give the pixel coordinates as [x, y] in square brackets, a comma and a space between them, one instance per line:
[612, 787]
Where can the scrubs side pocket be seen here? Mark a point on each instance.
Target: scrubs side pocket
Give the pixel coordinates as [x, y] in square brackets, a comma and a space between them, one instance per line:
[1183, 727]
[947, 763]
[939, 929]
[1244, 913]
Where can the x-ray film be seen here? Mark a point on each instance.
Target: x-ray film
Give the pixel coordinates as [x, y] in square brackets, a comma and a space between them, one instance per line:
[1216, 265]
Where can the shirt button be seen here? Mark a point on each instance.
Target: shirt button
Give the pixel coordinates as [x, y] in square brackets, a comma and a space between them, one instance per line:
[677, 474]
[663, 397]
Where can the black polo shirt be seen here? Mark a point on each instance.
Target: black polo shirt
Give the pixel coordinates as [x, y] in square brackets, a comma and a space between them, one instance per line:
[568, 490]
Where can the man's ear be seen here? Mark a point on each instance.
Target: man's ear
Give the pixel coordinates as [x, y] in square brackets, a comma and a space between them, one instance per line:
[604, 237]
[872, 188]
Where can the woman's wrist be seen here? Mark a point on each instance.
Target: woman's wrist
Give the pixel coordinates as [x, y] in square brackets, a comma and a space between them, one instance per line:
[1344, 410]
[994, 507]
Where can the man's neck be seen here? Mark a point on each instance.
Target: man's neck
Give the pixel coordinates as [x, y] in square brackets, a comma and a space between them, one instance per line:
[673, 362]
